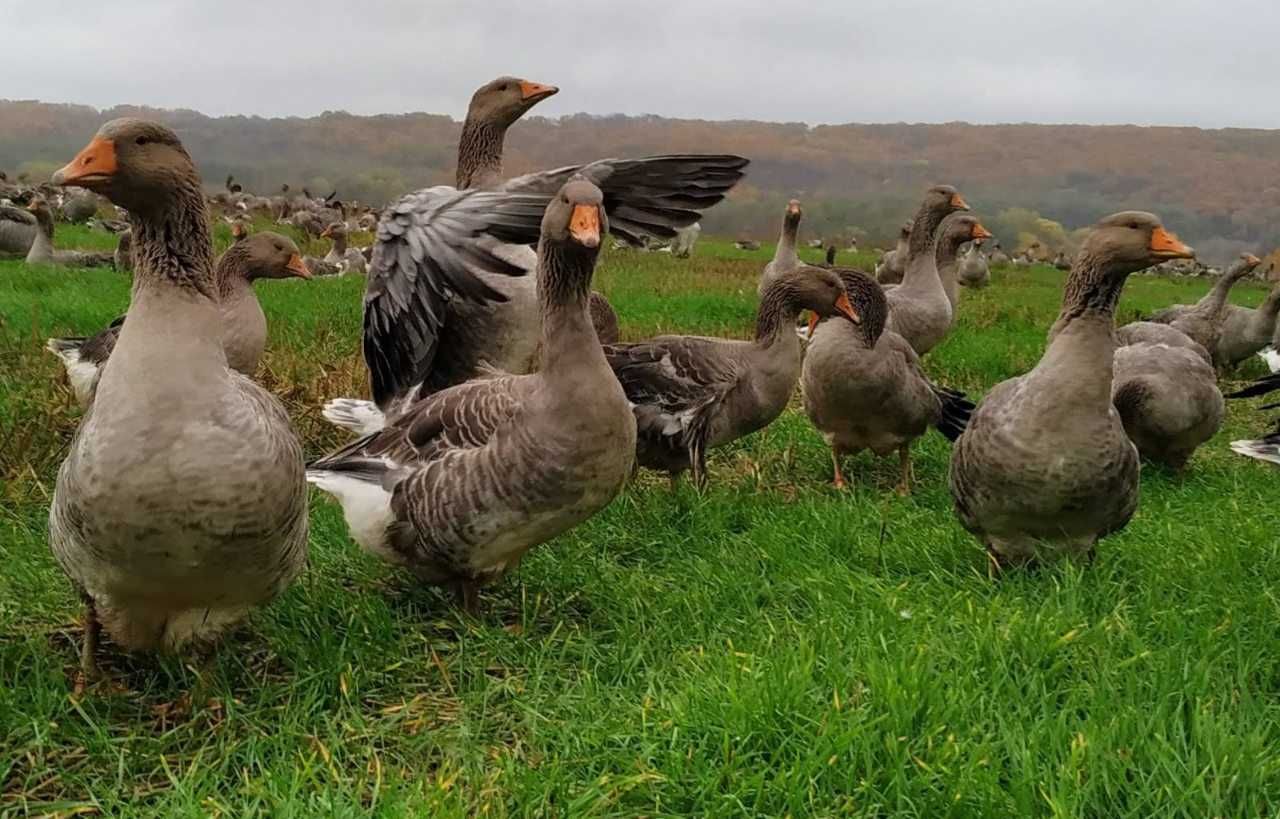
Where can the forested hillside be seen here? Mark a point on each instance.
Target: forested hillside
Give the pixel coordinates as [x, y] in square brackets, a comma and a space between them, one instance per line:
[1219, 189]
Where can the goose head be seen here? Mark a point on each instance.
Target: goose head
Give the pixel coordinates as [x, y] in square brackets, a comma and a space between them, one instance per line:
[820, 290]
[506, 99]
[1132, 240]
[137, 164]
[272, 256]
[791, 218]
[957, 229]
[575, 217]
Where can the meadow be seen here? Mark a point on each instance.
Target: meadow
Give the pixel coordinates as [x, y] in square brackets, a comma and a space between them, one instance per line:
[773, 647]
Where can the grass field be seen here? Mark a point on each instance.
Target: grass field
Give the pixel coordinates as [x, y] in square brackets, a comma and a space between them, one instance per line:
[771, 648]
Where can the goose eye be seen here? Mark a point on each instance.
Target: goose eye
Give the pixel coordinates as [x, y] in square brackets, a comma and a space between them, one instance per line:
[141, 140]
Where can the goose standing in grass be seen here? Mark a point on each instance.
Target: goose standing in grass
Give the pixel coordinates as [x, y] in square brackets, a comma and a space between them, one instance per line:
[468, 479]
[434, 319]
[863, 387]
[894, 263]
[348, 259]
[263, 255]
[182, 502]
[972, 269]
[1168, 399]
[785, 257]
[956, 231]
[920, 308]
[1045, 465]
[1206, 321]
[43, 252]
[18, 229]
[692, 393]
[1246, 331]
[1266, 448]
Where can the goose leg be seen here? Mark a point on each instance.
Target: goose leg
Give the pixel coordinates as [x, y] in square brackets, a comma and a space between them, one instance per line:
[839, 480]
[904, 464]
[468, 596]
[89, 648]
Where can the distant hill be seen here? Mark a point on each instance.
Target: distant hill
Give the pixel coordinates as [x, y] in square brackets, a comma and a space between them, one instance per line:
[1220, 189]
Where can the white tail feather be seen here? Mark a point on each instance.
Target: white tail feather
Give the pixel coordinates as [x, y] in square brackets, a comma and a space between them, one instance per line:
[366, 505]
[1260, 450]
[361, 417]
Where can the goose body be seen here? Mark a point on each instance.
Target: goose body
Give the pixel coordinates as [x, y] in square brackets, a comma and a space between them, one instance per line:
[459, 486]
[18, 229]
[1168, 400]
[920, 309]
[973, 269]
[863, 387]
[42, 250]
[1045, 466]
[182, 502]
[1246, 331]
[692, 393]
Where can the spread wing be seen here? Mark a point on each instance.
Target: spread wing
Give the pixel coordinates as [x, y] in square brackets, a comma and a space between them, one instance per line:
[654, 196]
[431, 245]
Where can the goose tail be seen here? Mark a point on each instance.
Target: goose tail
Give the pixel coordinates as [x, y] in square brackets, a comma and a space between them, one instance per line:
[360, 417]
[956, 411]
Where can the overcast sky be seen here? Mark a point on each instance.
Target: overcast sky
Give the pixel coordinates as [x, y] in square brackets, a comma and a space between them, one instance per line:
[1175, 62]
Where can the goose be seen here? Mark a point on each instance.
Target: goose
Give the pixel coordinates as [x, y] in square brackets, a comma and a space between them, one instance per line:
[920, 307]
[894, 263]
[1045, 465]
[1168, 399]
[973, 269]
[998, 257]
[603, 318]
[863, 387]
[956, 231]
[1266, 448]
[686, 238]
[1247, 331]
[348, 259]
[747, 244]
[79, 207]
[1148, 332]
[122, 259]
[1204, 321]
[265, 255]
[1061, 261]
[43, 252]
[692, 393]
[182, 502]
[434, 318]
[18, 229]
[831, 255]
[468, 479]
[785, 259]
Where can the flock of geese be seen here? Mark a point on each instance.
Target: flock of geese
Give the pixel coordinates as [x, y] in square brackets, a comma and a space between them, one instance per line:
[503, 411]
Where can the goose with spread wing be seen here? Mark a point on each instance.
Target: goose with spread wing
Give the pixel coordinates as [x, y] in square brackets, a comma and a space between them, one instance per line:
[435, 317]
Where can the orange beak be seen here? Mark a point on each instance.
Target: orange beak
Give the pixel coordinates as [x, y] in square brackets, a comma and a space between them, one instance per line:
[584, 225]
[793, 207]
[957, 202]
[846, 309]
[813, 322]
[298, 267]
[96, 163]
[536, 91]
[1167, 246]
[980, 232]
[327, 233]
[1252, 259]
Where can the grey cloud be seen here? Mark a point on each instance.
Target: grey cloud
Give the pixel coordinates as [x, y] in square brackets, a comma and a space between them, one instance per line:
[1177, 62]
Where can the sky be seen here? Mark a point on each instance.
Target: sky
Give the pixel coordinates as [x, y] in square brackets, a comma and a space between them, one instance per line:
[1176, 62]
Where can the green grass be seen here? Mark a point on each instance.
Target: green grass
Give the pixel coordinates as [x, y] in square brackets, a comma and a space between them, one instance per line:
[771, 648]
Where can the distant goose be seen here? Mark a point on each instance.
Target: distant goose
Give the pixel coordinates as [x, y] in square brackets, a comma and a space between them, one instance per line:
[43, 252]
[785, 259]
[18, 229]
[244, 326]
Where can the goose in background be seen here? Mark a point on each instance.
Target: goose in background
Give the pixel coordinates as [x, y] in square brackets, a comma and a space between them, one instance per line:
[973, 269]
[468, 479]
[264, 255]
[18, 229]
[347, 259]
[785, 258]
[1045, 465]
[43, 252]
[182, 502]
[893, 265]
[692, 393]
